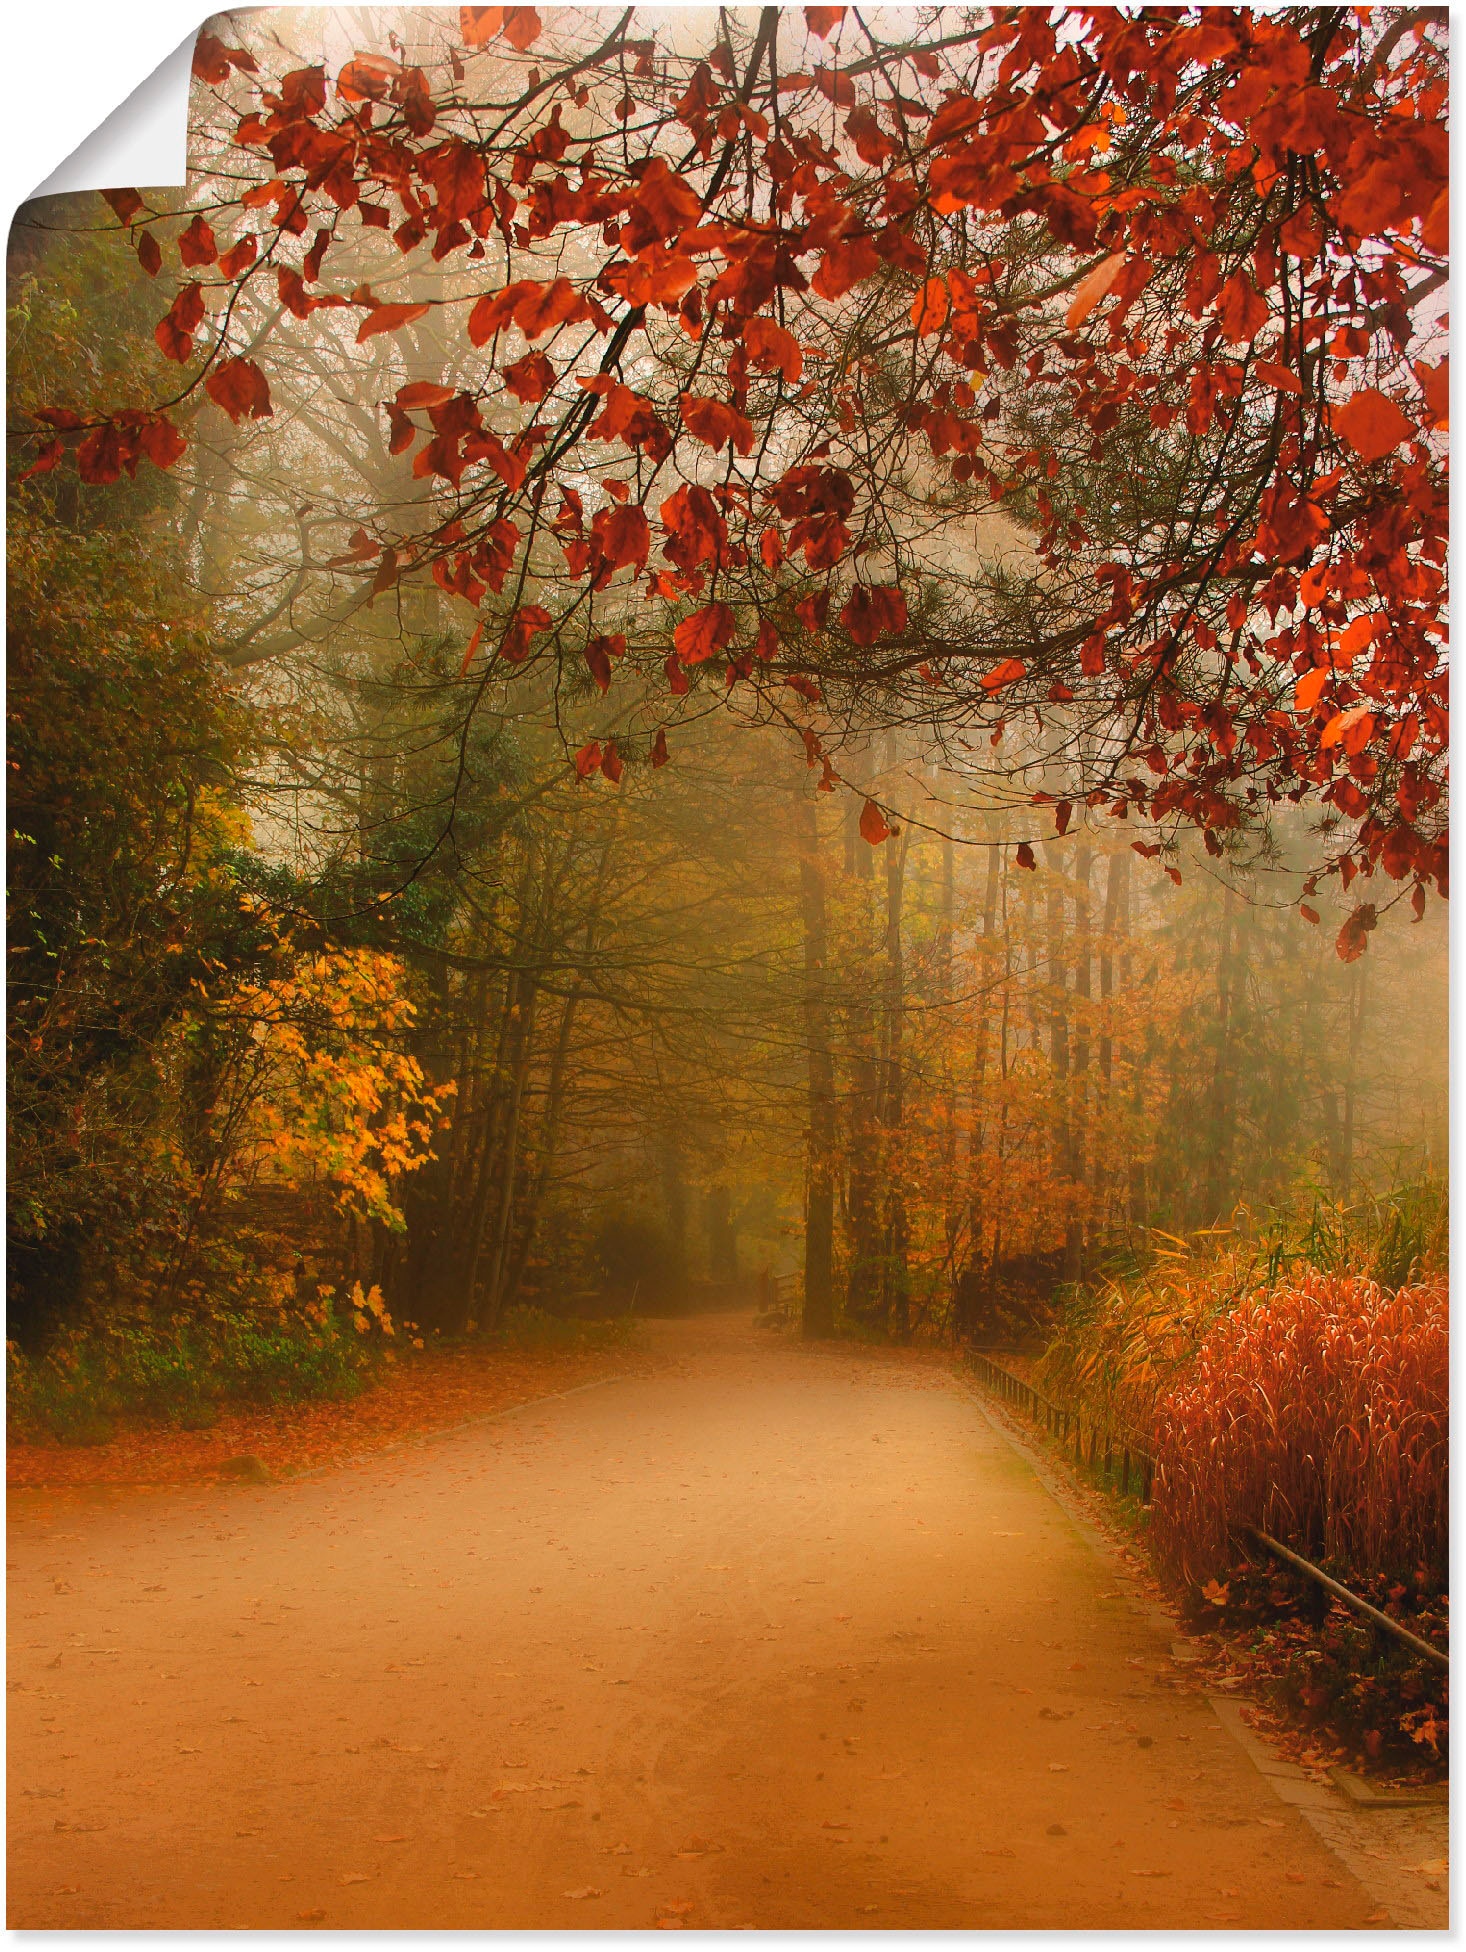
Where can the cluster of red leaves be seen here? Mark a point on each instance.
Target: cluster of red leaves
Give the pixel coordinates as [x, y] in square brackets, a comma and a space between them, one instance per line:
[1319, 1414]
[1219, 232]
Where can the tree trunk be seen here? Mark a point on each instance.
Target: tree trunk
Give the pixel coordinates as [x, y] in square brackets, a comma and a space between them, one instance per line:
[819, 1181]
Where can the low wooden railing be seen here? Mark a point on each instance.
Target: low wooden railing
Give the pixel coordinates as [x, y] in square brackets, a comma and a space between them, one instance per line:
[1113, 1451]
[1110, 1446]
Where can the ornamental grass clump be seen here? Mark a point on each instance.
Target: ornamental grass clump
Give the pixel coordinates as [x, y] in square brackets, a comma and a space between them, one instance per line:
[1317, 1412]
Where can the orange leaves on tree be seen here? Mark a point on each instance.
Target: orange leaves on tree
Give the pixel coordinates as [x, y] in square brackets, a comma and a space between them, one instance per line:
[1372, 424]
[197, 246]
[1023, 855]
[588, 759]
[716, 424]
[660, 755]
[1094, 286]
[1352, 729]
[822, 21]
[535, 308]
[125, 204]
[520, 26]
[930, 307]
[846, 265]
[530, 379]
[667, 201]
[704, 634]
[1309, 688]
[529, 621]
[174, 333]
[473, 644]
[773, 349]
[622, 537]
[873, 827]
[872, 611]
[388, 318]
[1007, 673]
[1353, 938]
[600, 653]
[240, 388]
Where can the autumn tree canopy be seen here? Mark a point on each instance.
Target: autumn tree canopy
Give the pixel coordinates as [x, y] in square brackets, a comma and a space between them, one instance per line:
[759, 319]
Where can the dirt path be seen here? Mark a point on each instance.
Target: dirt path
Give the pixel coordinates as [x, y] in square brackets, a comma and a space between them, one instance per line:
[778, 1637]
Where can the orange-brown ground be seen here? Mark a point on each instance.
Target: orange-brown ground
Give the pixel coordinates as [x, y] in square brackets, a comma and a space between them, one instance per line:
[777, 1636]
[417, 1393]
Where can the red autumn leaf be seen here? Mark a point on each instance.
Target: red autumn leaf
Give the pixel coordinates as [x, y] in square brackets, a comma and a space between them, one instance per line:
[388, 318]
[1372, 424]
[149, 253]
[424, 393]
[704, 633]
[161, 441]
[1093, 287]
[822, 21]
[600, 653]
[611, 766]
[1353, 938]
[588, 759]
[239, 257]
[546, 306]
[212, 61]
[1435, 383]
[1277, 376]
[716, 424]
[528, 622]
[522, 27]
[1007, 673]
[49, 455]
[1024, 855]
[660, 755]
[873, 826]
[1351, 728]
[197, 245]
[774, 349]
[530, 379]
[174, 333]
[845, 265]
[473, 643]
[367, 78]
[930, 306]
[623, 536]
[1309, 689]
[873, 611]
[240, 388]
[479, 25]
[668, 201]
[125, 203]
[493, 313]
[456, 172]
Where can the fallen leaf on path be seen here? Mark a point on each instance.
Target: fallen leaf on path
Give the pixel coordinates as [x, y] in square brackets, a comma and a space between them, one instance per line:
[1058, 1768]
[834, 1826]
[586, 1891]
[310, 1917]
[463, 1877]
[65, 1890]
[1150, 1874]
[1437, 1867]
[356, 1877]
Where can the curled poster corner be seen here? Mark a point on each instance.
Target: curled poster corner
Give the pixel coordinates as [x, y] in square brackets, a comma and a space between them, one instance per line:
[144, 140]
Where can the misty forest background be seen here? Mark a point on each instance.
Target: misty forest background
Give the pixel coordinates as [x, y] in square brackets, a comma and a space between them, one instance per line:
[332, 978]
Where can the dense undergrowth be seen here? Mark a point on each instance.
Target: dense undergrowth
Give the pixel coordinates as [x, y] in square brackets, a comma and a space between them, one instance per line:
[1293, 1378]
[182, 1374]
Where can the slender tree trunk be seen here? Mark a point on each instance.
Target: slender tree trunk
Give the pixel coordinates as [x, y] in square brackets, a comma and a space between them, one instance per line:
[819, 1181]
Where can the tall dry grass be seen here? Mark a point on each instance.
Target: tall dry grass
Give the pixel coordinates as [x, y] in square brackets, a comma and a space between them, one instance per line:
[1317, 1411]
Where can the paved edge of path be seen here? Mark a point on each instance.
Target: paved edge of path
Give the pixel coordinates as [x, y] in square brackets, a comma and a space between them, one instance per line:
[1373, 1846]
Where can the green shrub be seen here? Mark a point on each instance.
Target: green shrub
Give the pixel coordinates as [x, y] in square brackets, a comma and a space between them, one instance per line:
[180, 1375]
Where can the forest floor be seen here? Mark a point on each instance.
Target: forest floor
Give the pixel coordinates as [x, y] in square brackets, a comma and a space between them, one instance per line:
[776, 1635]
[410, 1396]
